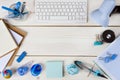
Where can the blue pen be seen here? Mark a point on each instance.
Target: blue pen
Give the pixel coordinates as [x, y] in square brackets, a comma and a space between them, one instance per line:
[10, 10]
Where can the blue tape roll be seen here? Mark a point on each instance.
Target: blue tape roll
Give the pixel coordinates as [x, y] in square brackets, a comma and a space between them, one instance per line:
[36, 69]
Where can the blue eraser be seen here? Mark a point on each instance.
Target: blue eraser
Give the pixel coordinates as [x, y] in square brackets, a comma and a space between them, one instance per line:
[20, 58]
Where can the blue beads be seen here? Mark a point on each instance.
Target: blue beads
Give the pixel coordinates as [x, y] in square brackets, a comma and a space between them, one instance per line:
[72, 69]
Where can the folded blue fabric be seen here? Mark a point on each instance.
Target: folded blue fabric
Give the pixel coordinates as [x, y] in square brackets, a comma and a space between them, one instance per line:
[101, 15]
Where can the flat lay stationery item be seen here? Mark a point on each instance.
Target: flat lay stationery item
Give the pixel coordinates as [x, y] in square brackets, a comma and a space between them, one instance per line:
[109, 60]
[24, 69]
[54, 69]
[83, 66]
[98, 40]
[101, 15]
[6, 40]
[72, 69]
[4, 60]
[16, 10]
[7, 73]
[36, 69]
[20, 58]
[108, 36]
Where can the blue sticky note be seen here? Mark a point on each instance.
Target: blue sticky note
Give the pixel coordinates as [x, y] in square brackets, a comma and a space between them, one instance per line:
[54, 69]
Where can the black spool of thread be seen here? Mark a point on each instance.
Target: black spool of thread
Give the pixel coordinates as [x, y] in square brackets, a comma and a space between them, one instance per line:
[108, 36]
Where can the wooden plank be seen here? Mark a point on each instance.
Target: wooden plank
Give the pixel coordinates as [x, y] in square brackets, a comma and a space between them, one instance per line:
[83, 74]
[63, 40]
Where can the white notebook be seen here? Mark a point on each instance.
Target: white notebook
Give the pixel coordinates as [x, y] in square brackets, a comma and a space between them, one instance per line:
[111, 68]
[6, 40]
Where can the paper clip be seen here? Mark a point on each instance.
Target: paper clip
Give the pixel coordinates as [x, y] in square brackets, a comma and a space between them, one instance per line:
[108, 58]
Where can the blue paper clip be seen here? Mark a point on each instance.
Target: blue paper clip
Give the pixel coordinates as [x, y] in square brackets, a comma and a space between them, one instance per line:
[108, 58]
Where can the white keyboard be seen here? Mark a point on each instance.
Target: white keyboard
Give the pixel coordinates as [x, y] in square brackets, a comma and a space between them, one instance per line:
[61, 11]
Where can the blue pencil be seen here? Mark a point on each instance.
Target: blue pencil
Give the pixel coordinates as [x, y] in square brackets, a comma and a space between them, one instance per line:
[10, 10]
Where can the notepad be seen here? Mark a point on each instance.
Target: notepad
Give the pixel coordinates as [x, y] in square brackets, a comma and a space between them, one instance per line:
[111, 68]
[6, 58]
[6, 40]
[54, 69]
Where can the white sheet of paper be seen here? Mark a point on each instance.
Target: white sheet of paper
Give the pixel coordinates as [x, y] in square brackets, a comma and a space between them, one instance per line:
[17, 37]
[5, 59]
[6, 40]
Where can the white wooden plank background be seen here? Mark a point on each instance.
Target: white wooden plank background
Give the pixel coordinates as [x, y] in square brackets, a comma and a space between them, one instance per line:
[60, 43]
[63, 40]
